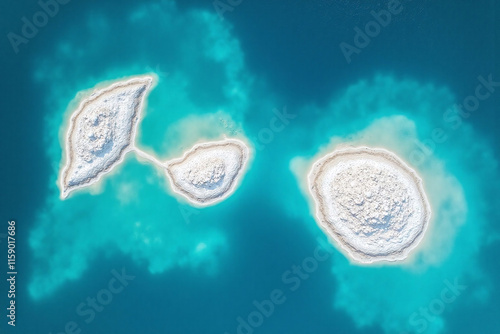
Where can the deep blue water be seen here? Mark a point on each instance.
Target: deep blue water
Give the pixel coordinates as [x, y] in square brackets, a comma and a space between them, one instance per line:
[274, 55]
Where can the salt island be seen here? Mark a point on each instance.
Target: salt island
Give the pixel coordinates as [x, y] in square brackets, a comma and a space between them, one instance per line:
[370, 202]
[101, 131]
[209, 172]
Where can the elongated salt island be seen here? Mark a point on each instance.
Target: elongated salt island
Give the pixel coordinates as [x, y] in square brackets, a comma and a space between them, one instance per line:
[370, 202]
[209, 172]
[101, 130]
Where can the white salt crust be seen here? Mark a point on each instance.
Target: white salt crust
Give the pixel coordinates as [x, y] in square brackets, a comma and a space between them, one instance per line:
[209, 172]
[369, 202]
[101, 131]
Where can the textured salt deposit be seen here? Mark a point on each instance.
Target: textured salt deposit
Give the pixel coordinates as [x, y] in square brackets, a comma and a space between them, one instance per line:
[209, 172]
[101, 131]
[370, 202]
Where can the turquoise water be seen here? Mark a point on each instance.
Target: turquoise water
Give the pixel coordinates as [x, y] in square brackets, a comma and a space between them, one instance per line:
[212, 270]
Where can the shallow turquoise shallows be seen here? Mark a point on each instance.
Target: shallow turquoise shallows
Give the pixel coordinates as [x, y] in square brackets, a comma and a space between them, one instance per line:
[130, 256]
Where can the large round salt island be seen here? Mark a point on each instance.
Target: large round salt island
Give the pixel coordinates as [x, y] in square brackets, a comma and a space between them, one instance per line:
[370, 202]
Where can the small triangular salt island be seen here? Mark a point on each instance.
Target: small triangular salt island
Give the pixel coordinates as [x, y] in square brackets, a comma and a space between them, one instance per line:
[370, 202]
[101, 131]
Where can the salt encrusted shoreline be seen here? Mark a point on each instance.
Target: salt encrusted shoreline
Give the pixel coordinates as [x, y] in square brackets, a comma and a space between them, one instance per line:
[91, 150]
[370, 221]
[209, 172]
[102, 131]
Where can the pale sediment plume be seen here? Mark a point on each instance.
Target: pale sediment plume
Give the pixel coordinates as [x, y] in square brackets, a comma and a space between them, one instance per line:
[209, 172]
[101, 131]
[370, 202]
